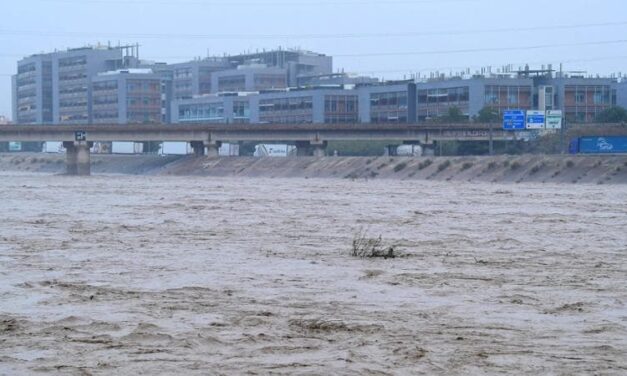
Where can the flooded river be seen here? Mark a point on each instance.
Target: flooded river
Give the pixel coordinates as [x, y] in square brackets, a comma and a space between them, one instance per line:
[161, 275]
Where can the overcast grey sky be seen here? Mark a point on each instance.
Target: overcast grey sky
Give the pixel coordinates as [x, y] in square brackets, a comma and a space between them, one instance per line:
[401, 32]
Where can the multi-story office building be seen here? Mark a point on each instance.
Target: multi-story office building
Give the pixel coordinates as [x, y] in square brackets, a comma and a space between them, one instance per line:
[129, 96]
[254, 77]
[231, 108]
[387, 102]
[620, 88]
[54, 87]
[582, 99]
[221, 74]
[32, 90]
[313, 105]
[277, 86]
[193, 78]
[298, 63]
[71, 74]
[322, 105]
[435, 98]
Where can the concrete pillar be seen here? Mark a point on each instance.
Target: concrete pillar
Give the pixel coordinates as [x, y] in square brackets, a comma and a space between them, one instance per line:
[428, 150]
[307, 148]
[198, 147]
[71, 158]
[77, 158]
[83, 159]
[319, 149]
[392, 150]
[213, 148]
[303, 148]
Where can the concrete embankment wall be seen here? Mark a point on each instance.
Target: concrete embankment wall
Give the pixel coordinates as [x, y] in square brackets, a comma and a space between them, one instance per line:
[507, 169]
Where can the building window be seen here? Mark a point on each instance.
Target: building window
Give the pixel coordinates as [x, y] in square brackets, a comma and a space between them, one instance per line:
[209, 112]
[580, 97]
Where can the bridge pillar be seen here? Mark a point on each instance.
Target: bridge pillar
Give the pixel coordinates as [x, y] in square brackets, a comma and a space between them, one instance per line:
[319, 148]
[83, 159]
[198, 147]
[313, 148]
[303, 148]
[77, 158]
[213, 148]
[71, 158]
[391, 150]
[428, 150]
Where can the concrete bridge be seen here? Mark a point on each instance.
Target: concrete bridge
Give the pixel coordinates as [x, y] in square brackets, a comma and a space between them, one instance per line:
[310, 139]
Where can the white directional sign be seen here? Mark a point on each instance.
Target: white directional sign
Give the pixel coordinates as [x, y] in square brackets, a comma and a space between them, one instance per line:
[554, 119]
[535, 119]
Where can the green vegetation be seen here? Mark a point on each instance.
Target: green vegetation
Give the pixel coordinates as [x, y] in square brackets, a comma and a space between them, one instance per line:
[454, 115]
[488, 115]
[614, 114]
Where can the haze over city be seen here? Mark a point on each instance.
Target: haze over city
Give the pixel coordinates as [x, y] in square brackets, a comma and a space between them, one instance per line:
[390, 39]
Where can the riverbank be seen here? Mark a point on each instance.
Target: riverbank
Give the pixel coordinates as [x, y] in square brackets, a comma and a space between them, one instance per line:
[498, 169]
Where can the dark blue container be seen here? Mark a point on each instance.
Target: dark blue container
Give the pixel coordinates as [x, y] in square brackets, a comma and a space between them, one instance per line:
[603, 145]
[573, 147]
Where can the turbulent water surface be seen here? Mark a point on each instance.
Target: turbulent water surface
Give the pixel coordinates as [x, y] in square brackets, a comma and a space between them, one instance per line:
[162, 275]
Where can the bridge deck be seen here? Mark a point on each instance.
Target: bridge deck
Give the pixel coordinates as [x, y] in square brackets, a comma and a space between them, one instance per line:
[252, 132]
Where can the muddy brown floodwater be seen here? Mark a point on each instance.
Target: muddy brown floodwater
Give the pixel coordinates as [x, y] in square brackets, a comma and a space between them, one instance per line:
[181, 275]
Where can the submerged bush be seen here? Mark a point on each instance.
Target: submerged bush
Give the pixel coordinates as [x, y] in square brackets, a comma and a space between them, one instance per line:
[367, 247]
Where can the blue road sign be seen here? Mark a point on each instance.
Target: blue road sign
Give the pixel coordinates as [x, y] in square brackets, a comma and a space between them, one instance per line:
[514, 120]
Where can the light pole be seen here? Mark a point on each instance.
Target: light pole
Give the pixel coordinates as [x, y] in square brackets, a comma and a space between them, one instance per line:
[491, 140]
[494, 115]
